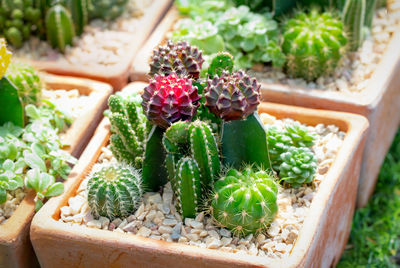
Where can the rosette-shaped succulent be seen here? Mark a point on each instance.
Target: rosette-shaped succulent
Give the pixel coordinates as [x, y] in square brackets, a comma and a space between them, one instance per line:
[180, 58]
[114, 191]
[278, 143]
[299, 135]
[314, 44]
[168, 99]
[245, 202]
[298, 166]
[232, 96]
[5, 56]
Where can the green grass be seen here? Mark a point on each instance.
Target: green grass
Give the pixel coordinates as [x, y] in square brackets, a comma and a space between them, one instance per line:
[375, 235]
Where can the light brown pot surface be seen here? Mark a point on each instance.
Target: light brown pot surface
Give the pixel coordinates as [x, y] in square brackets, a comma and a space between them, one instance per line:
[117, 75]
[379, 102]
[320, 242]
[15, 246]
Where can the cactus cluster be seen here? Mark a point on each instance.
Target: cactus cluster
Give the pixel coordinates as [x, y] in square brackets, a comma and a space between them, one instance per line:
[107, 9]
[313, 44]
[128, 126]
[192, 163]
[245, 202]
[114, 191]
[180, 58]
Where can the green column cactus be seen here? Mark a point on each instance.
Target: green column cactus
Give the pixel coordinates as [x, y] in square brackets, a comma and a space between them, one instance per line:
[313, 44]
[189, 188]
[59, 27]
[245, 202]
[353, 20]
[80, 13]
[107, 9]
[176, 138]
[114, 191]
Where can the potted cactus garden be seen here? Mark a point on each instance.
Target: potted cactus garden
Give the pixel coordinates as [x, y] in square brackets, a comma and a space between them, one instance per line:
[46, 122]
[92, 39]
[192, 169]
[347, 61]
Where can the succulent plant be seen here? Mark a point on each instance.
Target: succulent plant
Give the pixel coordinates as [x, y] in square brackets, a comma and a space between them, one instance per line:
[168, 99]
[107, 9]
[298, 166]
[232, 96]
[114, 191]
[80, 13]
[128, 126]
[353, 20]
[5, 57]
[223, 61]
[59, 27]
[299, 135]
[180, 58]
[18, 20]
[278, 143]
[27, 81]
[245, 202]
[314, 44]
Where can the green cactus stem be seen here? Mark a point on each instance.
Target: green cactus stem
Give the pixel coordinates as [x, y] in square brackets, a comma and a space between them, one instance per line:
[107, 9]
[223, 61]
[11, 108]
[188, 183]
[59, 27]
[244, 142]
[353, 20]
[80, 13]
[176, 138]
[245, 202]
[114, 191]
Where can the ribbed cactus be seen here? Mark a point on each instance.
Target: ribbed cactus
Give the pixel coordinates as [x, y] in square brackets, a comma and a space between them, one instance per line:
[245, 202]
[353, 20]
[27, 81]
[298, 166]
[128, 125]
[313, 44]
[223, 61]
[59, 27]
[189, 187]
[18, 20]
[179, 57]
[5, 57]
[114, 191]
[176, 138]
[80, 13]
[107, 9]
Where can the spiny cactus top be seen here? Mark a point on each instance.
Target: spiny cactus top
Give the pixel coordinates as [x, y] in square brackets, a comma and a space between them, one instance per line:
[180, 58]
[313, 43]
[245, 202]
[232, 96]
[5, 57]
[114, 191]
[168, 99]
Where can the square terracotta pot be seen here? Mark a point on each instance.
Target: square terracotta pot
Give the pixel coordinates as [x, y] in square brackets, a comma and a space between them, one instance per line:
[15, 246]
[379, 102]
[117, 75]
[320, 243]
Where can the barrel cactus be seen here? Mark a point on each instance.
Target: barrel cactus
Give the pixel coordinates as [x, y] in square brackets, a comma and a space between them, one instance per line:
[298, 166]
[313, 44]
[223, 61]
[27, 81]
[107, 9]
[59, 27]
[114, 191]
[5, 57]
[128, 125]
[168, 99]
[245, 202]
[232, 96]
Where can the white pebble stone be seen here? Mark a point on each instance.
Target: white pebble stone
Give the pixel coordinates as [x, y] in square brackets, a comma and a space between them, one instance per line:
[144, 231]
[197, 225]
[214, 234]
[225, 232]
[165, 229]
[94, 224]
[213, 243]
[169, 222]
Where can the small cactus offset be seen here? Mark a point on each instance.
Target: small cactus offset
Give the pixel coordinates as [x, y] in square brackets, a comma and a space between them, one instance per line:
[179, 57]
[80, 13]
[27, 81]
[245, 202]
[114, 191]
[128, 126]
[298, 166]
[313, 44]
[168, 99]
[353, 20]
[176, 138]
[107, 9]
[189, 188]
[59, 27]
[5, 57]
[223, 61]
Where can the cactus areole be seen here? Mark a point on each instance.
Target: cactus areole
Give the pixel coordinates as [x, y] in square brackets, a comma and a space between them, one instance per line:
[168, 99]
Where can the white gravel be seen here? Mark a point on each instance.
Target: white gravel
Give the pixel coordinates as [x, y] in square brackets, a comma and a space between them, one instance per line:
[157, 217]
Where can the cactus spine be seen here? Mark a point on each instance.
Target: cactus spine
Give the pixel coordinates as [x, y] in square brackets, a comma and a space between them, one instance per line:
[59, 27]
[114, 191]
[353, 20]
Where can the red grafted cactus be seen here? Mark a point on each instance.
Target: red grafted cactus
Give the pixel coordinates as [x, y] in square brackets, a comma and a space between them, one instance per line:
[168, 99]
[232, 96]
